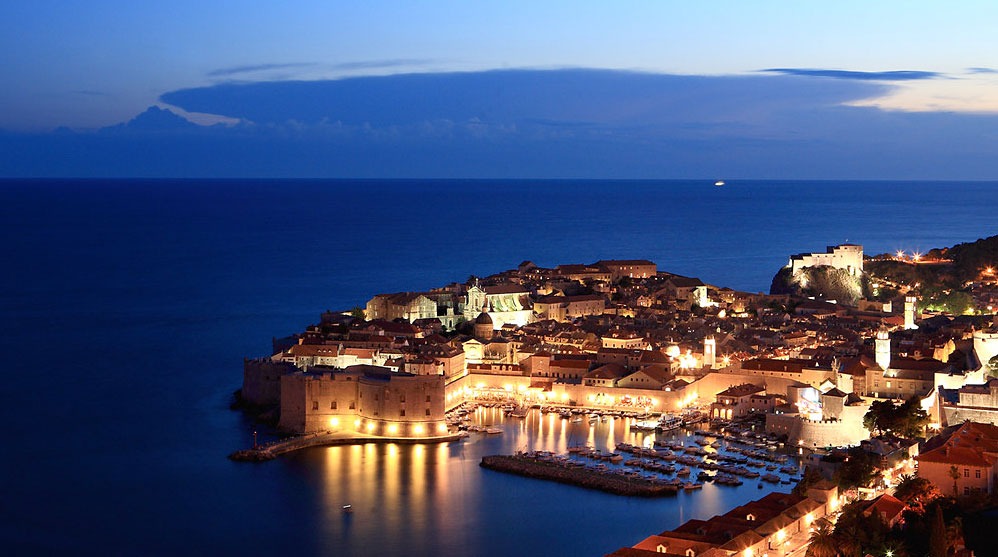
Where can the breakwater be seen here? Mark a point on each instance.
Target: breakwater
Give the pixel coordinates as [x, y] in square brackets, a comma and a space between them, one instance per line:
[546, 467]
[273, 450]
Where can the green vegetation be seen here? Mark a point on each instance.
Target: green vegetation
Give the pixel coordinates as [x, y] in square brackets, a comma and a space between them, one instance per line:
[858, 470]
[906, 420]
[969, 258]
[952, 301]
[915, 492]
[357, 313]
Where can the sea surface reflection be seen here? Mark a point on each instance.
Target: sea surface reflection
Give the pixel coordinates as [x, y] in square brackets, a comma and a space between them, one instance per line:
[436, 500]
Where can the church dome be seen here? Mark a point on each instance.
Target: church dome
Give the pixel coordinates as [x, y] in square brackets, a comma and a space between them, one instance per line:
[483, 319]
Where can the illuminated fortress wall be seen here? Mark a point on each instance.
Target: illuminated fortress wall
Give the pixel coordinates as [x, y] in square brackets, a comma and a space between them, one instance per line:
[845, 256]
[371, 402]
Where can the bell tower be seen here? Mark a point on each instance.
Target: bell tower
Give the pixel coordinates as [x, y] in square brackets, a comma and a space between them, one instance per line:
[710, 352]
[909, 312]
[883, 349]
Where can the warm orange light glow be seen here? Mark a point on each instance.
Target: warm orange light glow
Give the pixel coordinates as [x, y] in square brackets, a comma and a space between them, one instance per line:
[370, 426]
[334, 422]
[900, 254]
[418, 429]
[393, 429]
[442, 428]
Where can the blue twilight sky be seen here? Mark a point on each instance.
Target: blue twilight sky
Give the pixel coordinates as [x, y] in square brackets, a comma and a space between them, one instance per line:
[821, 71]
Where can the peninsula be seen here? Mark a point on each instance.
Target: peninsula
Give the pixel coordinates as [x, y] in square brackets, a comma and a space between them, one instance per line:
[621, 336]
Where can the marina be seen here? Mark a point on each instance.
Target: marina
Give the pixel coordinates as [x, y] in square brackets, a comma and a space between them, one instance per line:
[651, 457]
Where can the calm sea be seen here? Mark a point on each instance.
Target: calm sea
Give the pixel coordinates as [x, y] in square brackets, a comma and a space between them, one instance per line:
[127, 307]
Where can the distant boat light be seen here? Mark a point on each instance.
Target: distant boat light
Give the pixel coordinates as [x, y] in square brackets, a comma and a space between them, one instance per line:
[719, 183]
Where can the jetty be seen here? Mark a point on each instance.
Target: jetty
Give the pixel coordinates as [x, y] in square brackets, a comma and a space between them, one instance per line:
[533, 465]
[274, 449]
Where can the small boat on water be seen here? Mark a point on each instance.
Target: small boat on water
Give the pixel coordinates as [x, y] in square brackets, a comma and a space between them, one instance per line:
[719, 183]
[645, 425]
[669, 423]
[493, 430]
[348, 508]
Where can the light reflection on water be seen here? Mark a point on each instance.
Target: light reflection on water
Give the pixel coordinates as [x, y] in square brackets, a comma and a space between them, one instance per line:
[436, 500]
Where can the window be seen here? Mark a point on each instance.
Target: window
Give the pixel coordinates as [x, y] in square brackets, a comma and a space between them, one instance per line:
[315, 405]
[427, 398]
[427, 411]
[402, 397]
[353, 405]
[966, 472]
[332, 405]
[402, 412]
[977, 473]
[966, 490]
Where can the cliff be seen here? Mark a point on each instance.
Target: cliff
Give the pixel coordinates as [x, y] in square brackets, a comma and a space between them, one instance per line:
[823, 282]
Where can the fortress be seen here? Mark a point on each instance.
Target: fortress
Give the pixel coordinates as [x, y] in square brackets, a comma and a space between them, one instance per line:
[845, 256]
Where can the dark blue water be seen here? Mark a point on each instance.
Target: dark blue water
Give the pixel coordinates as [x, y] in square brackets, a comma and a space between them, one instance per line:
[127, 308]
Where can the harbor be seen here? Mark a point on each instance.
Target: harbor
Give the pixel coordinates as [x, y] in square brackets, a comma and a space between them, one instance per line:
[657, 457]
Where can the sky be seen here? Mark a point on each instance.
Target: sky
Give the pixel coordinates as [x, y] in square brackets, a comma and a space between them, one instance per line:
[92, 65]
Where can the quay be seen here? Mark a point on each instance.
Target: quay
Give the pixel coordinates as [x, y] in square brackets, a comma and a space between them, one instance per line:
[271, 451]
[526, 464]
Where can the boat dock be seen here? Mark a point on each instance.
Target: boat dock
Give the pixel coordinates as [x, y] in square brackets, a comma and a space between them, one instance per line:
[543, 466]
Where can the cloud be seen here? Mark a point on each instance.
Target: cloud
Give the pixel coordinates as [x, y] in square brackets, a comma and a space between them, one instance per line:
[981, 70]
[596, 97]
[341, 66]
[899, 75]
[529, 123]
[236, 70]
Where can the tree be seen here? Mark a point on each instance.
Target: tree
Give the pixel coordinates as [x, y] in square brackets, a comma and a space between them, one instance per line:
[993, 366]
[954, 473]
[938, 539]
[358, 313]
[858, 470]
[858, 533]
[905, 420]
[822, 542]
[915, 492]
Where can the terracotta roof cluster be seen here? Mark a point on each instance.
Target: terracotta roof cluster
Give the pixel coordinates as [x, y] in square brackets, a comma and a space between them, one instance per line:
[742, 390]
[734, 531]
[767, 364]
[972, 444]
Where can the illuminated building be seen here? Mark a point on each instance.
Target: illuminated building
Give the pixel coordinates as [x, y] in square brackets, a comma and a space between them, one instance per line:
[386, 403]
[848, 257]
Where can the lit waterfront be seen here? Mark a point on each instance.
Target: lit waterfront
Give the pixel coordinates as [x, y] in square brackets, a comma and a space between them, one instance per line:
[436, 500]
